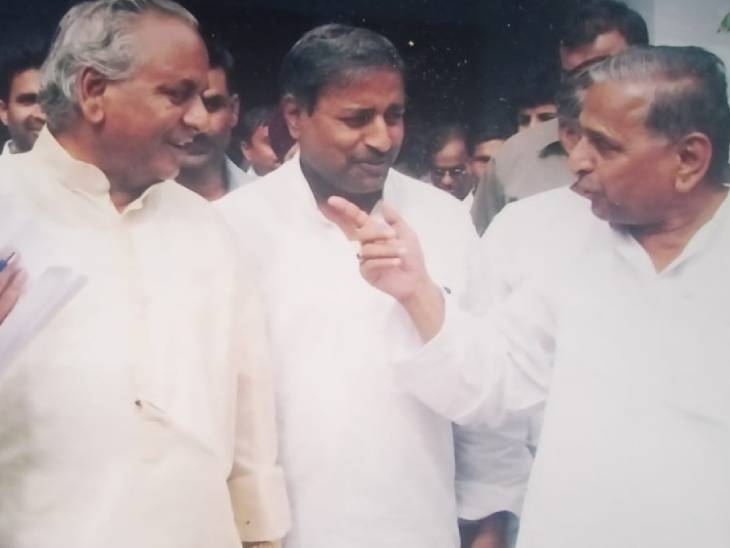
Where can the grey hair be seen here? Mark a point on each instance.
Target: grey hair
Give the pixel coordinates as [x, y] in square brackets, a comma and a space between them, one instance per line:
[98, 35]
[690, 93]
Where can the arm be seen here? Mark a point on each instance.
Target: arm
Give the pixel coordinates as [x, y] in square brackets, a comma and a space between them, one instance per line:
[468, 369]
[256, 482]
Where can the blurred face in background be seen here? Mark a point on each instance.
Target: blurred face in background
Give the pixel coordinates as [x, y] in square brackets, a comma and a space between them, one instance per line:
[259, 153]
[483, 154]
[22, 112]
[532, 116]
[450, 168]
[221, 106]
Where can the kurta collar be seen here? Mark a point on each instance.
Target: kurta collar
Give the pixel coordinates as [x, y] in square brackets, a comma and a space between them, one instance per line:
[630, 249]
[77, 176]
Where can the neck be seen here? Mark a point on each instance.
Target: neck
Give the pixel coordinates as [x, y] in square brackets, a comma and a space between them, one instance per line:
[322, 190]
[665, 241]
[82, 145]
[209, 180]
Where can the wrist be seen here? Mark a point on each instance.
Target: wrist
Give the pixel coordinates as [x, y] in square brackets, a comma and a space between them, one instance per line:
[425, 305]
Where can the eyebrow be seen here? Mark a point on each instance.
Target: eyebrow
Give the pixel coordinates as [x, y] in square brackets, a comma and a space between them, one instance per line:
[601, 138]
[27, 97]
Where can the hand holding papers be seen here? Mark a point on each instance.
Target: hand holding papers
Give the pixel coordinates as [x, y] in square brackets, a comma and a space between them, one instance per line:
[12, 280]
[32, 294]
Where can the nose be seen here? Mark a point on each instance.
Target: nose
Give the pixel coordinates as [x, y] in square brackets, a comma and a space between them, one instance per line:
[447, 181]
[378, 135]
[196, 115]
[581, 160]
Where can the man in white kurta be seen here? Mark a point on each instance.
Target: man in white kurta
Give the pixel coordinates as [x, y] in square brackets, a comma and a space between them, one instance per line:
[137, 416]
[631, 336]
[366, 463]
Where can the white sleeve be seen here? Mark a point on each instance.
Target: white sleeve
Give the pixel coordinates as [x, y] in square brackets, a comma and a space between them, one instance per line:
[483, 368]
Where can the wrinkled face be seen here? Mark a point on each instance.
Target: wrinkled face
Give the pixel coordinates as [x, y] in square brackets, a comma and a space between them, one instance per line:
[483, 153]
[354, 134]
[605, 45]
[530, 117]
[221, 107]
[626, 171]
[150, 118]
[450, 169]
[22, 114]
[259, 153]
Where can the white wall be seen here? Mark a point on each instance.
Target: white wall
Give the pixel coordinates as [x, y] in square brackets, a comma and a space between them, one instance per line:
[687, 23]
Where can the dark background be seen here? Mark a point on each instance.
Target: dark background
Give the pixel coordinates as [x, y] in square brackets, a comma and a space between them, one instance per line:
[467, 59]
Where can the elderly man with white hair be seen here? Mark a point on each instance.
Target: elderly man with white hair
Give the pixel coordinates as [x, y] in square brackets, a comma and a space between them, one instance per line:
[141, 415]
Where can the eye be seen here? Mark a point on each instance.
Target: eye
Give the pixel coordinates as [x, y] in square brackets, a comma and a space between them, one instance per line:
[358, 120]
[545, 116]
[394, 116]
[214, 103]
[179, 94]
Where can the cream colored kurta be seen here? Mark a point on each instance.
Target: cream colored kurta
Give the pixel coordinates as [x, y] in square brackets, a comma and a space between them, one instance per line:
[135, 418]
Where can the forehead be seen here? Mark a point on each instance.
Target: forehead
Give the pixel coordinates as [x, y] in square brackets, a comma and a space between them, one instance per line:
[539, 109]
[368, 88]
[617, 108]
[606, 44]
[217, 83]
[488, 148]
[170, 48]
[453, 151]
[26, 81]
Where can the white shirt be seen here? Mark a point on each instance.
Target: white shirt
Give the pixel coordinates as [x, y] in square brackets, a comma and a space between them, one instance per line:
[636, 440]
[366, 463]
[135, 417]
[237, 177]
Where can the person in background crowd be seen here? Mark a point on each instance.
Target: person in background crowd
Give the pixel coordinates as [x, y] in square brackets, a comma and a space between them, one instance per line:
[255, 141]
[205, 167]
[483, 145]
[134, 417]
[449, 162]
[366, 464]
[594, 29]
[535, 101]
[282, 143]
[20, 110]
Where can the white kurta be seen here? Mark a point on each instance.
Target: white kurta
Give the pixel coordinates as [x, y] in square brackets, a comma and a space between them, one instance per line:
[636, 439]
[135, 418]
[366, 463]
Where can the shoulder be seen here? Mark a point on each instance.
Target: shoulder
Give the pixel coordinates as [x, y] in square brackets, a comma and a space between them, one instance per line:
[540, 210]
[412, 195]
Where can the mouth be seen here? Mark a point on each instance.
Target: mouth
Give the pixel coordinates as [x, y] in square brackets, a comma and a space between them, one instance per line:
[375, 168]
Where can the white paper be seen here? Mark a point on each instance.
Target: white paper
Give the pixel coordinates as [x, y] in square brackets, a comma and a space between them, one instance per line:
[49, 287]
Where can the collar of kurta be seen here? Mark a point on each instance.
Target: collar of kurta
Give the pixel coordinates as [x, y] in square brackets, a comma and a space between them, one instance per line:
[626, 246]
[77, 176]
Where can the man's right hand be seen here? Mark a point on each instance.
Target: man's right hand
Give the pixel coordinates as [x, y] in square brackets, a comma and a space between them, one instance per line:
[12, 281]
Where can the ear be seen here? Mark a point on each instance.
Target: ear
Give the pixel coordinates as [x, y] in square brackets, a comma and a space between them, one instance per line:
[92, 87]
[3, 112]
[695, 155]
[235, 109]
[246, 150]
[293, 112]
